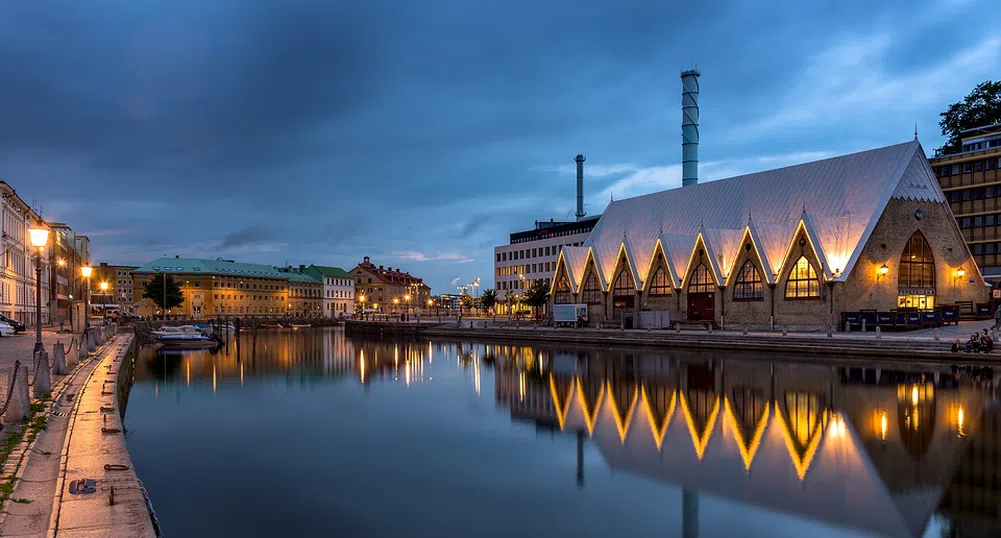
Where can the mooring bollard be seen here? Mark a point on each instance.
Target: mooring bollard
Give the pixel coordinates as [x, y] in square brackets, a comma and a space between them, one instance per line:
[863, 325]
[785, 330]
[879, 333]
[17, 409]
[91, 344]
[709, 328]
[59, 359]
[848, 327]
[43, 376]
[677, 327]
[745, 329]
[83, 346]
[935, 333]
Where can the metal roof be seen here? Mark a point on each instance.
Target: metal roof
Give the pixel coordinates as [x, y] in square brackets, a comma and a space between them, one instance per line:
[211, 267]
[836, 200]
[332, 272]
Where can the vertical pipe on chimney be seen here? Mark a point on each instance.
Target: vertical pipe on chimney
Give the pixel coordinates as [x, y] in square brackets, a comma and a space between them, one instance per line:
[689, 128]
[579, 159]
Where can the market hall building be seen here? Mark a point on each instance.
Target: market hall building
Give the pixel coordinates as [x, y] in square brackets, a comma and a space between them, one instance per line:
[795, 246]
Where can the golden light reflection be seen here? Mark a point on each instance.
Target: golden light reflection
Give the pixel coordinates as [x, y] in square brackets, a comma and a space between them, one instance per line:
[187, 373]
[406, 372]
[960, 416]
[156, 390]
[590, 413]
[658, 433]
[747, 449]
[241, 374]
[521, 386]
[883, 423]
[622, 422]
[213, 379]
[476, 376]
[802, 463]
[700, 439]
[562, 405]
[914, 395]
[361, 366]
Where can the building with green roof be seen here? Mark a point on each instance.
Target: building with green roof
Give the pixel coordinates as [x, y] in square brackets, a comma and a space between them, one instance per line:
[338, 289]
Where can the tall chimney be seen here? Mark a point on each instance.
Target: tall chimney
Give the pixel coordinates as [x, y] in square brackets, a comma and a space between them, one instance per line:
[579, 159]
[689, 128]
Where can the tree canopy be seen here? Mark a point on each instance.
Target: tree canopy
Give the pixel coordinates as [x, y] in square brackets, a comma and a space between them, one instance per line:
[537, 294]
[489, 298]
[154, 290]
[981, 107]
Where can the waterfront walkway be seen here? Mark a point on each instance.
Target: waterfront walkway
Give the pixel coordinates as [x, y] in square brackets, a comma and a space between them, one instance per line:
[82, 441]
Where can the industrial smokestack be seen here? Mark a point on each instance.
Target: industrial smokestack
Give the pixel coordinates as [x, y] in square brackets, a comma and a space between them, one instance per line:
[689, 128]
[579, 159]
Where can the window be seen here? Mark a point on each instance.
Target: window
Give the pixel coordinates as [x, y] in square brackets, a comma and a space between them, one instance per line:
[659, 285]
[917, 265]
[978, 222]
[955, 196]
[989, 248]
[977, 249]
[966, 196]
[701, 281]
[748, 285]
[623, 283]
[978, 166]
[592, 292]
[803, 282]
[562, 294]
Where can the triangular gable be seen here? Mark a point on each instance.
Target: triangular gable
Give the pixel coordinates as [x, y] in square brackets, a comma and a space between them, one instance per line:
[710, 257]
[561, 265]
[802, 457]
[590, 402]
[625, 252]
[750, 235]
[725, 243]
[918, 182]
[592, 259]
[825, 272]
[663, 248]
[575, 258]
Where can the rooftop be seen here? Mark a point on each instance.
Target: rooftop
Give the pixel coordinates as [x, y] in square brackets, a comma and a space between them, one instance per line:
[211, 267]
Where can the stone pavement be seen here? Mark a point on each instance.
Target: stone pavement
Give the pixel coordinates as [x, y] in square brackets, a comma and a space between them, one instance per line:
[20, 346]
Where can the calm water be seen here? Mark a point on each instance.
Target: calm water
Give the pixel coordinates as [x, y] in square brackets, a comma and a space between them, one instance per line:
[310, 433]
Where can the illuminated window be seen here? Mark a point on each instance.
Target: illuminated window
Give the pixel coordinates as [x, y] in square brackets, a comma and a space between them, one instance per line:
[660, 285]
[748, 285]
[562, 294]
[917, 265]
[701, 281]
[592, 292]
[623, 283]
[803, 281]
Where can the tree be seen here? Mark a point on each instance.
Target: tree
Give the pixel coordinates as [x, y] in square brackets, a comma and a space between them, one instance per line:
[512, 302]
[154, 290]
[981, 107]
[466, 300]
[537, 294]
[489, 298]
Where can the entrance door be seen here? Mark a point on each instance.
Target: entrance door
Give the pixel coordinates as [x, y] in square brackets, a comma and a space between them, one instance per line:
[701, 306]
[701, 295]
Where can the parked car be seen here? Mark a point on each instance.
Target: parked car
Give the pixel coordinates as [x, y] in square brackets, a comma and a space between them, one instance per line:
[6, 329]
[17, 325]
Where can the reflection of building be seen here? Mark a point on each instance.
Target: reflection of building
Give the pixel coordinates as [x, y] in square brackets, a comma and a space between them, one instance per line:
[119, 295]
[388, 290]
[970, 180]
[797, 245]
[874, 451]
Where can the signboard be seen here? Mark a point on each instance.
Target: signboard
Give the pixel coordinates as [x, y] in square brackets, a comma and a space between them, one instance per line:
[996, 294]
[569, 313]
[915, 291]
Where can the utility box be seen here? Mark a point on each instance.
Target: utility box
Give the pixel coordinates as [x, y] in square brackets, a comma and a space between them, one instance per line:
[655, 319]
[78, 316]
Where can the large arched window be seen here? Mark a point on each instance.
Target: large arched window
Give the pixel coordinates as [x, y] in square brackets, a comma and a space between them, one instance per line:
[563, 295]
[803, 281]
[748, 284]
[916, 281]
[623, 283]
[659, 284]
[701, 281]
[592, 292]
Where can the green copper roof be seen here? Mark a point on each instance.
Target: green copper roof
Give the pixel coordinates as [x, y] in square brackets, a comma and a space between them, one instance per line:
[332, 272]
[211, 267]
[301, 277]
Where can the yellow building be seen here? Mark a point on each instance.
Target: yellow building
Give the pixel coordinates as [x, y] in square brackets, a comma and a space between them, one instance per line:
[387, 289]
[111, 288]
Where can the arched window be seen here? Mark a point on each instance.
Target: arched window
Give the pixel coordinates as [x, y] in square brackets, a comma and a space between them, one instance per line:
[748, 284]
[592, 292]
[659, 284]
[803, 281]
[623, 283]
[563, 295]
[917, 265]
[701, 281]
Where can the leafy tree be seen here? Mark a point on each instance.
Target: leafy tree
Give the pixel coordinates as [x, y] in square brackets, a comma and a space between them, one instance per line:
[154, 290]
[981, 107]
[466, 301]
[537, 294]
[512, 301]
[489, 298]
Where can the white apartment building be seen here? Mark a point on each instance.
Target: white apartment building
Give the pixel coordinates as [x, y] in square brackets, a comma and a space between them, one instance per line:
[338, 290]
[17, 260]
[531, 255]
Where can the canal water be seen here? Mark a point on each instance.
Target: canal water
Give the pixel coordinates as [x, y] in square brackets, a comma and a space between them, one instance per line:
[311, 433]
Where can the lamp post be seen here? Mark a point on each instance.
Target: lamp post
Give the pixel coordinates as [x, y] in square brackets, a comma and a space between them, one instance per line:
[104, 302]
[39, 237]
[407, 299]
[85, 272]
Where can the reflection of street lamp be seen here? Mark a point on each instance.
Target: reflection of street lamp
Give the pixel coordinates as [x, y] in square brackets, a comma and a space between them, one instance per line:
[39, 237]
[104, 301]
[85, 272]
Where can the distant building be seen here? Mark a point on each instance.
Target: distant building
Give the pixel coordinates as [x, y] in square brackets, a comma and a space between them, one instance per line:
[971, 180]
[120, 295]
[531, 255]
[379, 286]
[68, 252]
[338, 289]
[305, 297]
[17, 280]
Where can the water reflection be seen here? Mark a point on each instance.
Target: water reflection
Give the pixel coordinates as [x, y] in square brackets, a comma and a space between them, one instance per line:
[882, 449]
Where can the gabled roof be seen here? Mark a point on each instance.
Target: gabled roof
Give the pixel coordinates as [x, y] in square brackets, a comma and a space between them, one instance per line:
[332, 272]
[838, 200]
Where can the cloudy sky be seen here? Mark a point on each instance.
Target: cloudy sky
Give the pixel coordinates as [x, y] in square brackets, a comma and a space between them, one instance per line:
[422, 133]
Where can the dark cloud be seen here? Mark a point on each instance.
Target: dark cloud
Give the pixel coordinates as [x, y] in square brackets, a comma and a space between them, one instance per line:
[472, 224]
[249, 236]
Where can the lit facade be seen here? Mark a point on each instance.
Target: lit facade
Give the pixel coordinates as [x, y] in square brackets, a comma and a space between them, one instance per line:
[338, 289]
[120, 295]
[794, 246]
[68, 253]
[387, 289]
[971, 180]
[17, 279]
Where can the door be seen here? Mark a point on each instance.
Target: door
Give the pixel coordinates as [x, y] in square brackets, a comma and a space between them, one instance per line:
[701, 306]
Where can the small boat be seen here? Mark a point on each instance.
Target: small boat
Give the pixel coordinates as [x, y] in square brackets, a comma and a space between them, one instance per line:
[301, 325]
[272, 325]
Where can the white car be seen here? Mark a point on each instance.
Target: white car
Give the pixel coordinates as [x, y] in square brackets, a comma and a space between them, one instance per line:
[6, 329]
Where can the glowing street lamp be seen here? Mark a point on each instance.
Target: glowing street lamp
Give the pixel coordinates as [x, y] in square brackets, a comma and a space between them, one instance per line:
[39, 237]
[104, 301]
[85, 272]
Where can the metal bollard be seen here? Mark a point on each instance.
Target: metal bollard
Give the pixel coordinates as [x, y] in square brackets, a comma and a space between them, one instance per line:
[59, 359]
[43, 376]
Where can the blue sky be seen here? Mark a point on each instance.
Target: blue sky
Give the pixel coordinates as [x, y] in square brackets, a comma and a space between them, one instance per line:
[422, 133]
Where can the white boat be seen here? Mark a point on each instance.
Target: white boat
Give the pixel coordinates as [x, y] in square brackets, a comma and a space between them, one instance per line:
[301, 325]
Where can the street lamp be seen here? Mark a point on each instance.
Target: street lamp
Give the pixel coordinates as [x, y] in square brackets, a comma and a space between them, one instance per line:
[104, 301]
[39, 237]
[85, 272]
[407, 299]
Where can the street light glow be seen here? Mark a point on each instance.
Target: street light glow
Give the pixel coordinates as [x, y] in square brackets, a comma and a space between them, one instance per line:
[103, 286]
[86, 271]
[39, 237]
